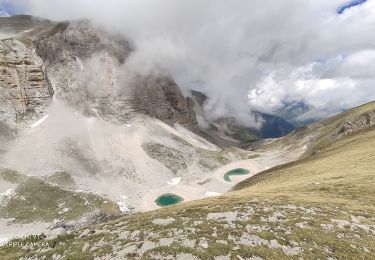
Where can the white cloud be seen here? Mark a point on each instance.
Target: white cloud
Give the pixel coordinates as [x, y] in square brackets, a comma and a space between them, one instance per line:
[3, 13]
[359, 64]
[244, 54]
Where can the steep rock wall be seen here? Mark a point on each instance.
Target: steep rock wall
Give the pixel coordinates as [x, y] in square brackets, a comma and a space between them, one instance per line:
[25, 91]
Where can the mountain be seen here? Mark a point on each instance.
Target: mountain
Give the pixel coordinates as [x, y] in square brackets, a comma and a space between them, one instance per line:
[312, 138]
[273, 126]
[293, 112]
[53, 53]
[321, 205]
[94, 157]
[228, 131]
[93, 139]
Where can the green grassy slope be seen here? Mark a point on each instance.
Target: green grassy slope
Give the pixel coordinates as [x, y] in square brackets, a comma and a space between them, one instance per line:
[36, 200]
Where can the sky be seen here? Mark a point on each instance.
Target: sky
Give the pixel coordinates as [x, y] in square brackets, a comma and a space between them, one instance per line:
[245, 55]
[8, 7]
[349, 5]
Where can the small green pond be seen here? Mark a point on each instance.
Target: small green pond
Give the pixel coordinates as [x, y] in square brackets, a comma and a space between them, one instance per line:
[168, 199]
[239, 171]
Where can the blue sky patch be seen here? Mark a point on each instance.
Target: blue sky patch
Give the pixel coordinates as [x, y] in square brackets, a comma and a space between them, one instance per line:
[350, 4]
[8, 7]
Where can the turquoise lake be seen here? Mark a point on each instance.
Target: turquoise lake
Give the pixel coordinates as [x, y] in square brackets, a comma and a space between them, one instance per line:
[168, 199]
[239, 171]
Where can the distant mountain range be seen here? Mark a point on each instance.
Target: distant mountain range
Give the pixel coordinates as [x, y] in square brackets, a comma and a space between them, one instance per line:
[229, 128]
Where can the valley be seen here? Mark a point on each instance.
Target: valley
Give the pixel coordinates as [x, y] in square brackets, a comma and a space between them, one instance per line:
[315, 206]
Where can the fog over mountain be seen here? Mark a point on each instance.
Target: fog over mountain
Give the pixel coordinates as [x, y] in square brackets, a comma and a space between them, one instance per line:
[245, 55]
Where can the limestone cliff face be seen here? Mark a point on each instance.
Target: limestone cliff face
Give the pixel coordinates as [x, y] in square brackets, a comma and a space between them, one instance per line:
[86, 67]
[25, 91]
[162, 98]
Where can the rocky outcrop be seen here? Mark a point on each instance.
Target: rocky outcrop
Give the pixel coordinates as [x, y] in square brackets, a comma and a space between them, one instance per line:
[25, 91]
[65, 51]
[24, 24]
[355, 123]
[162, 98]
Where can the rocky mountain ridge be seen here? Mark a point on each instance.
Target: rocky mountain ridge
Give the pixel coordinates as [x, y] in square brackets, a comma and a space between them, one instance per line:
[311, 138]
[25, 90]
[58, 59]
